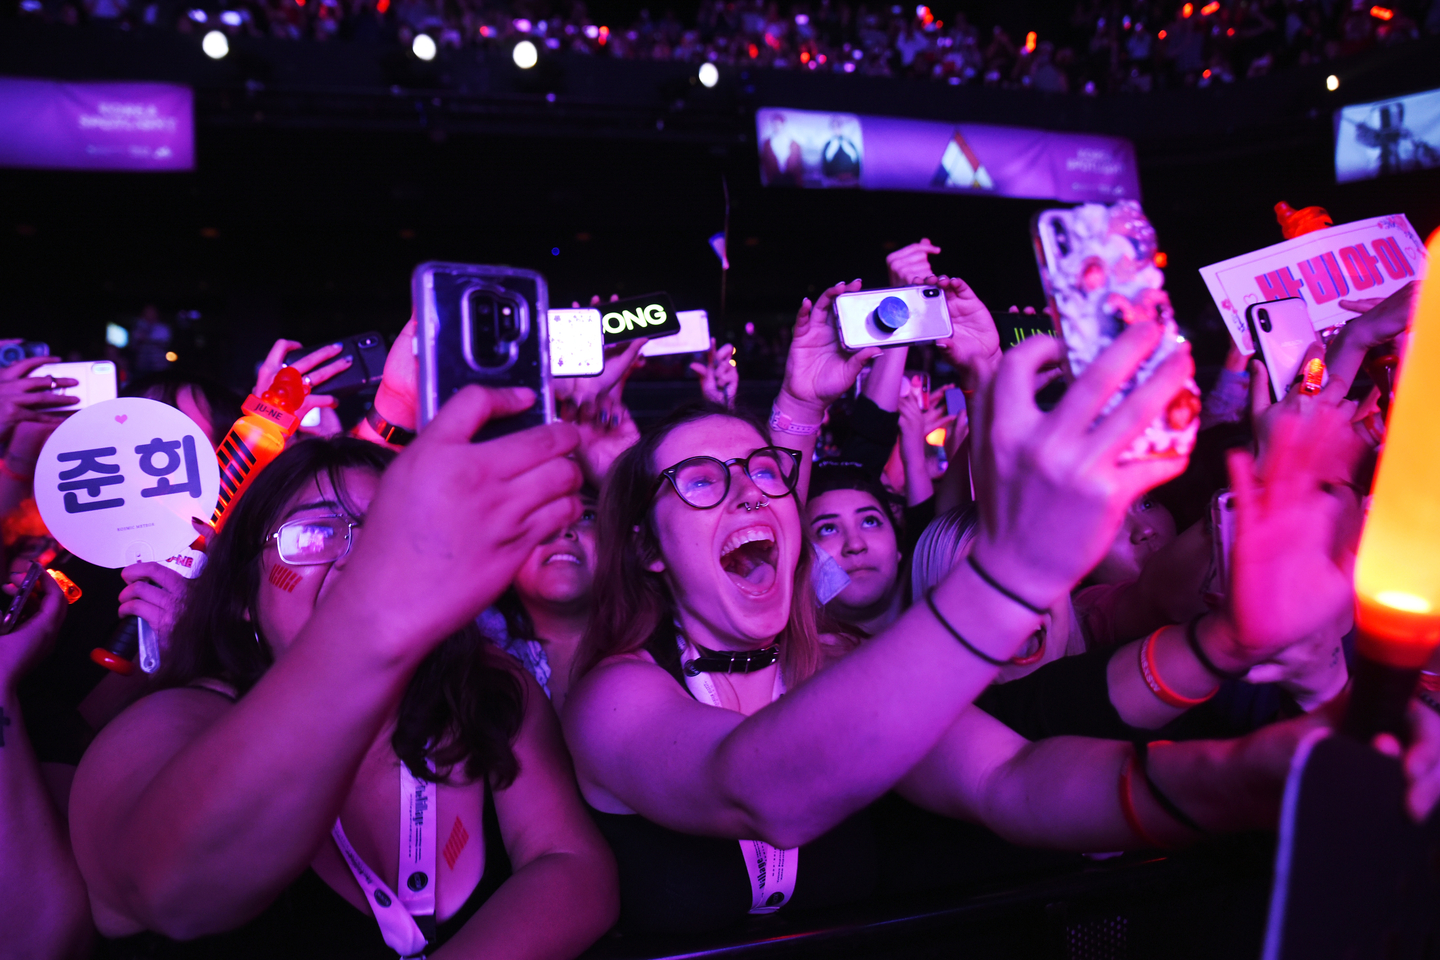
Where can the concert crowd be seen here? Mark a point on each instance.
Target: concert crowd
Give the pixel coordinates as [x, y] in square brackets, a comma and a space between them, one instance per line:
[660, 680]
[1107, 46]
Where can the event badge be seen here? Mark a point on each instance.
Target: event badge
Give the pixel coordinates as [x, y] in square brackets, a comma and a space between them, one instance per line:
[119, 482]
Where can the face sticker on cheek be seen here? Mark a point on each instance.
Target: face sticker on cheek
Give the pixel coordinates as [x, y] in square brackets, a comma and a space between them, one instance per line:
[283, 577]
[459, 836]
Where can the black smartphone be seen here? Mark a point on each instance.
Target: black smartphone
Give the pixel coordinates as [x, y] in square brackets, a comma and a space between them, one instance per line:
[367, 351]
[652, 315]
[15, 352]
[22, 597]
[486, 325]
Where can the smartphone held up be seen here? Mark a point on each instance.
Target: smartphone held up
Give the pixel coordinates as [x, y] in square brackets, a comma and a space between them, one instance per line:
[485, 325]
[892, 316]
[1097, 265]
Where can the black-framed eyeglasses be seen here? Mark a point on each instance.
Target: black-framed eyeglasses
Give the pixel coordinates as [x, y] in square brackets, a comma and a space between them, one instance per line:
[312, 540]
[704, 482]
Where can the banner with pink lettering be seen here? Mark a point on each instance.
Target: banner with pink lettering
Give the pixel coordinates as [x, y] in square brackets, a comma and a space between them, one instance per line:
[96, 126]
[1349, 261]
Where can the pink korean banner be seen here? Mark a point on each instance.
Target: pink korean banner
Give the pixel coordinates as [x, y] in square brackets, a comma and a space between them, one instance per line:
[96, 126]
[1349, 261]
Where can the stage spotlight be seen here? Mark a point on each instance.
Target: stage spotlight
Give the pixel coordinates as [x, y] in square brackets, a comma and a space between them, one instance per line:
[1332, 83]
[525, 54]
[424, 46]
[215, 45]
[709, 74]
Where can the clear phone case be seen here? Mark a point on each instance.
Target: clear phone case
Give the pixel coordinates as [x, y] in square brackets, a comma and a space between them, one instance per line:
[485, 325]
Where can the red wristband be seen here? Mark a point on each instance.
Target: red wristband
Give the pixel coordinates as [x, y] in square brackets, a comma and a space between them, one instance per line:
[1159, 687]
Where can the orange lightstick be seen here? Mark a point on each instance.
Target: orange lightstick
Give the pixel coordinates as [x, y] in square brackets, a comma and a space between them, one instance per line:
[1397, 576]
[258, 437]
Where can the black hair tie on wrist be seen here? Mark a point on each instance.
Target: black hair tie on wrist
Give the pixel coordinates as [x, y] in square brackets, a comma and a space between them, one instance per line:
[1192, 637]
[1142, 754]
[930, 602]
[1000, 588]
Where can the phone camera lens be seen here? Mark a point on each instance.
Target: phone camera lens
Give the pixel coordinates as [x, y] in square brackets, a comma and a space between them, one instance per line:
[10, 354]
[891, 314]
[1264, 316]
[931, 292]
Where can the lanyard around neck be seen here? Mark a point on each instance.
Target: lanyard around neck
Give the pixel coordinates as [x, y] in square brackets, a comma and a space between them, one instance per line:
[772, 871]
[408, 927]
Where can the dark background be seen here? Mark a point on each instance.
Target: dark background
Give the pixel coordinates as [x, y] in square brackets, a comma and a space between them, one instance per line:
[325, 173]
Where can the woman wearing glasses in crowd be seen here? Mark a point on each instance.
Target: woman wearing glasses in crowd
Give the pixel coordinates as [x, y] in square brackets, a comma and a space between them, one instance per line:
[326, 684]
[713, 711]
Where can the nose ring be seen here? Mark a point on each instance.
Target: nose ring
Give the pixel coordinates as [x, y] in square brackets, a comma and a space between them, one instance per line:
[749, 509]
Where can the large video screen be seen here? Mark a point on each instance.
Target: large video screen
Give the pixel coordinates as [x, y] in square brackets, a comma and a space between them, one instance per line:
[803, 148]
[1387, 136]
[96, 126]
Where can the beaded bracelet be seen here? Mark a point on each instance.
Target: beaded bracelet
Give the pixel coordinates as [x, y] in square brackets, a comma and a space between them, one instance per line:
[1159, 687]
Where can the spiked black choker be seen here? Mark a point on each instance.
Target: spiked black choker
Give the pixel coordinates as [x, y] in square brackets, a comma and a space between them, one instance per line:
[731, 661]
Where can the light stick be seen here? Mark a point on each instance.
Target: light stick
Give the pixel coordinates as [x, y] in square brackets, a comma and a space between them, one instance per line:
[1397, 576]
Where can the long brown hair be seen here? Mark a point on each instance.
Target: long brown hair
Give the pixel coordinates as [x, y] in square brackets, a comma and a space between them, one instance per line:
[462, 707]
[634, 609]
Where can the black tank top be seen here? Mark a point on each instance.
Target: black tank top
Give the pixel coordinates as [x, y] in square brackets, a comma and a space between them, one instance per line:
[672, 882]
[311, 921]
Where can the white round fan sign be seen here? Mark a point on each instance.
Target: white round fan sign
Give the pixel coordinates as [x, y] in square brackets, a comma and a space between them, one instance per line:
[118, 483]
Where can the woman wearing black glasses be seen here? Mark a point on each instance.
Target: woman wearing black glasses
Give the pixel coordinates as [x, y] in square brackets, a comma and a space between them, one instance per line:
[730, 747]
[339, 765]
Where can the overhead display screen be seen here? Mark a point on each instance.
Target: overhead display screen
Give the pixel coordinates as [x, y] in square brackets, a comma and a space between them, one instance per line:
[1387, 136]
[96, 126]
[804, 148]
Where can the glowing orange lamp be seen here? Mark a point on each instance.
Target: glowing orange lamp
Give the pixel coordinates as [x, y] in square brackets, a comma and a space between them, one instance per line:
[1397, 576]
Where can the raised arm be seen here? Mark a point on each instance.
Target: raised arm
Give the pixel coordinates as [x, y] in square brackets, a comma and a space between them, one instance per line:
[189, 814]
[1290, 596]
[796, 768]
[43, 908]
[1077, 793]
[817, 371]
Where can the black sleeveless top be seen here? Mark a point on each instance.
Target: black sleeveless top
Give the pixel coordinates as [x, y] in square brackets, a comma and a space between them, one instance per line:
[311, 921]
[672, 882]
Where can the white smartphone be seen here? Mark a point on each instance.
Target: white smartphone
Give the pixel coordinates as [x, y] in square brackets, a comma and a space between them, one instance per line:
[694, 336]
[577, 343]
[892, 316]
[1282, 333]
[97, 381]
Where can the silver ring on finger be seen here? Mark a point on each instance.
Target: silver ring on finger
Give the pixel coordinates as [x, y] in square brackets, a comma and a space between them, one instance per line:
[52, 384]
[306, 380]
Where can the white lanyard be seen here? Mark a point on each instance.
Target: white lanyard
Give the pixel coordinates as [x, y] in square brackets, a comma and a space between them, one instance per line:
[772, 871]
[417, 868]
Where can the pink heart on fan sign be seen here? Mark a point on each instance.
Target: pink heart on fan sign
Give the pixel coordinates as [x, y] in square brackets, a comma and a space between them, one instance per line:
[122, 418]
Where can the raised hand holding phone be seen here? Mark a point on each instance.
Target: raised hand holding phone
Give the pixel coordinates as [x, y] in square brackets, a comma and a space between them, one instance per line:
[1042, 476]
[819, 369]
[457, 514]
[974, 346]
[313, 370]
